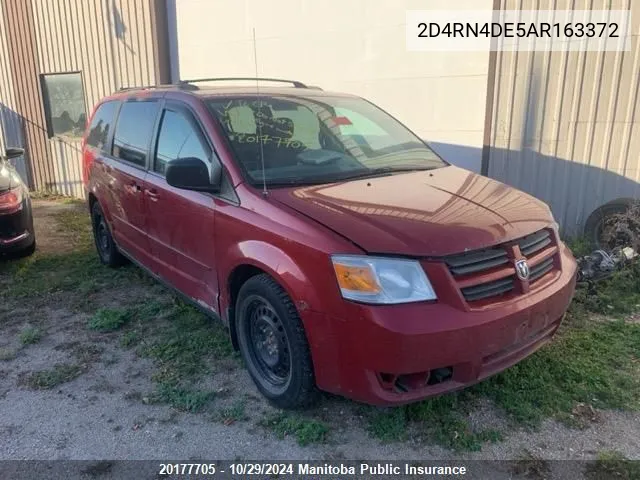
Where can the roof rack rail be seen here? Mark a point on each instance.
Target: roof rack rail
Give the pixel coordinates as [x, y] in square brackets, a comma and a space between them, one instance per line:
[142, 87]
[295, 83]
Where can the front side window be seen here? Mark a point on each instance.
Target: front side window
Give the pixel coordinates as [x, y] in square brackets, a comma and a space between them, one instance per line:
[178, 138]
[101, 124]
[64, 104]
[133, 131]
[317, 139]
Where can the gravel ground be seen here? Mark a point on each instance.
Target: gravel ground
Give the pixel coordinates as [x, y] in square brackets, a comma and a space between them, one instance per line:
[100, 414]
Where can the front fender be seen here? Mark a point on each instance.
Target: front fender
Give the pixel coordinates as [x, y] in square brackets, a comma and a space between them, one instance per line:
[296, 276]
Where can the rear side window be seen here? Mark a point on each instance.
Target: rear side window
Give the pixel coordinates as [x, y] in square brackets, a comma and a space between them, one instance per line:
[101, 125]
[178, 138]
[133, 131]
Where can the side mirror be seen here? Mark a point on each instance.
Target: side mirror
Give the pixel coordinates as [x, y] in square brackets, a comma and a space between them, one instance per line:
[193, 174]
[13, 152]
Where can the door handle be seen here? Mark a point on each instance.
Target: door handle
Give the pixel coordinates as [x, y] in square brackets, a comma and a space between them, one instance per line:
[135, 188]
[152, 193]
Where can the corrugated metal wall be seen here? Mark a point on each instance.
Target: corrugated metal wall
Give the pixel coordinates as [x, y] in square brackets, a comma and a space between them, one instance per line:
[111, 42]
[566, 127]
[10, 121]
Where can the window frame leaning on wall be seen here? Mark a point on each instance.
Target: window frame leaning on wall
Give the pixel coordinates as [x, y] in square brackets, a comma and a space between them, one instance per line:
[46, 100]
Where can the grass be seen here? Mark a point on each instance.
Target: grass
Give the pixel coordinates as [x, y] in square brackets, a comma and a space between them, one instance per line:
[7, 353]
[306, 431]
[531, 466]
[186, 341]
[181, 340]
[580, 246]
[618, 294]
[46, 379]
[53, 196]
[612, 465]
[442, 419]
[234, 413]
[30, 335]
[79, 270]
[596, 365]
[108, 320]
[181, 398]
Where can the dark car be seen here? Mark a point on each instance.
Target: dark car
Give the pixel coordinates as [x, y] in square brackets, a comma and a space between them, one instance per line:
[17, 236]
[342, 253]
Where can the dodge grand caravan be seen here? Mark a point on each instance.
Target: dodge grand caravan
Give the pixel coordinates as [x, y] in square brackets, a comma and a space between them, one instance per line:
[342, 253]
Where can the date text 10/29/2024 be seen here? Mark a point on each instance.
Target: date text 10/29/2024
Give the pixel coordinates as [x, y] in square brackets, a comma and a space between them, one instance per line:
[230, 470]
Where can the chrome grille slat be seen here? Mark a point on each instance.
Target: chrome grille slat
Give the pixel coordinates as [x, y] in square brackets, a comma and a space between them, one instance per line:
[540, 269]
[489, 289]
[534, 243]
[477, 261]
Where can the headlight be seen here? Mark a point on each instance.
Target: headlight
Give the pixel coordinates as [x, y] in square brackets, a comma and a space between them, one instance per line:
[381, 280]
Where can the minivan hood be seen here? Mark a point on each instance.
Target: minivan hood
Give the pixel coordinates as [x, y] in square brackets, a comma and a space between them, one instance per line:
[425, 213]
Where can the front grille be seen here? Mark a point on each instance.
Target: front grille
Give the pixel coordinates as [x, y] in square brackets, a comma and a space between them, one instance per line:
[476, 261]
[534, 243]
[490, 273]
[539, 270]
[489, 289]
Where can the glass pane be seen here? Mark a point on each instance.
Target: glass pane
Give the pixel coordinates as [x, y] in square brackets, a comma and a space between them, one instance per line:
[65, 101]
[317, 139]
[101, 125]
[177, 139]
[133, 131]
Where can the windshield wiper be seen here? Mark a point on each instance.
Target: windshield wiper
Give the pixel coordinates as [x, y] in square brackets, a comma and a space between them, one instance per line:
[374, 172]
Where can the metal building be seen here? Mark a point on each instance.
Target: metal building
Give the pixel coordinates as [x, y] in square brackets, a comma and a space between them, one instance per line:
[565, 126]
[57, 59]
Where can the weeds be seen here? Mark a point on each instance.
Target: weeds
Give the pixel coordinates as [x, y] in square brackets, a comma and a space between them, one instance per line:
[108, 320]
[30, 335]
[612, 465]
[46, 379]
[7, 353]
[181, 398]
[305, 430]
[531, 466]
[232, 414]
[623, 229]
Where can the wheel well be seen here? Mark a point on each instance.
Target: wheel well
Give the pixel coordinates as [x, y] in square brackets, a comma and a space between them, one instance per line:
[237, 278]
[92, 200]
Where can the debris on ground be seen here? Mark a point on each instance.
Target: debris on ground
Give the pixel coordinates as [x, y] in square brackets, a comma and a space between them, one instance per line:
[600, 264]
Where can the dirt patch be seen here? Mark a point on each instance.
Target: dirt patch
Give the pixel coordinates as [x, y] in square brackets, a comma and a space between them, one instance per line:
[50, 235]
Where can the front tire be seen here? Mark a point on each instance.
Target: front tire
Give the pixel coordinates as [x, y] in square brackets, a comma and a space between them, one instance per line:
[273, 344]
[107, 250]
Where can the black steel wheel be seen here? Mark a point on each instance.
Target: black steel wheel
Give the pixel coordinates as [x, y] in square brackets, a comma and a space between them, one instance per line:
[107, 249]
[273, 343]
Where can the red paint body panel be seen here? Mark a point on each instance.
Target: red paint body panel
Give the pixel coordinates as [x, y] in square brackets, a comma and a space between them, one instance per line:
[195, 241]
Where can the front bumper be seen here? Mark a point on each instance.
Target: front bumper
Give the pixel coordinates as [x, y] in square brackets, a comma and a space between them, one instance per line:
[388, 355]
[16, 229]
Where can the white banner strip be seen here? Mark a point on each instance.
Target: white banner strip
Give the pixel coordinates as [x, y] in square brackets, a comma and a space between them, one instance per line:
[518, 30]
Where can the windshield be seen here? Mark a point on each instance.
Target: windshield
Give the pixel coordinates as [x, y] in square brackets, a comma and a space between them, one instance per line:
[318, 140]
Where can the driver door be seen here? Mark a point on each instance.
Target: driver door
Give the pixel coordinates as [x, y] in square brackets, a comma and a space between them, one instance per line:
[180, 222]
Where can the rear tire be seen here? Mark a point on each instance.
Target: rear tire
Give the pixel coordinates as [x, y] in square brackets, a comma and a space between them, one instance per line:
[107, 249]
[273, 344]
[594, 227]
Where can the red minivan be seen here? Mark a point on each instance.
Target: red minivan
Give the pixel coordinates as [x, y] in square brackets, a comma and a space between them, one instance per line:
[342, 253]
